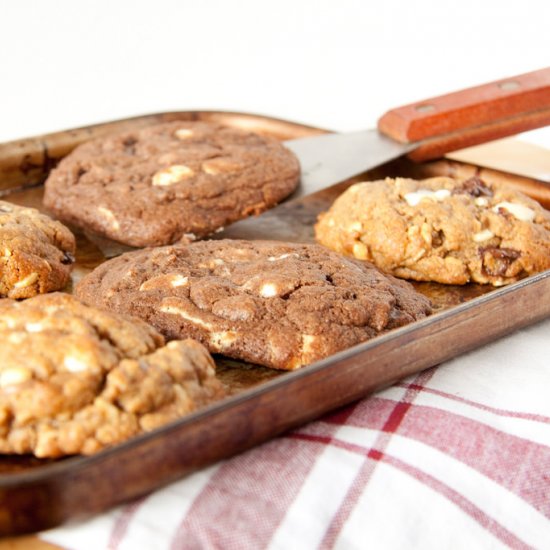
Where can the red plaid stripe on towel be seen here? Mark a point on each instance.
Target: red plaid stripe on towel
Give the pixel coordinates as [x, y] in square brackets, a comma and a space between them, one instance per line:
[455, 457]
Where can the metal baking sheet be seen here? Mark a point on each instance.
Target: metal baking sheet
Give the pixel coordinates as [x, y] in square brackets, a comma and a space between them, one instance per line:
[38, 494]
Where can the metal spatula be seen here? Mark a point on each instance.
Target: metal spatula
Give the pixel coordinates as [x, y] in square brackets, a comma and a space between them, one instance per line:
[427, 129]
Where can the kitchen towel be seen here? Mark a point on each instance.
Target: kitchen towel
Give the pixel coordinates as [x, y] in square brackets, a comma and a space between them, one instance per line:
[457, 456]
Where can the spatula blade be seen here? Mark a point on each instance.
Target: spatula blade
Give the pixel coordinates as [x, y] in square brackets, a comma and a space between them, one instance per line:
[332, 158]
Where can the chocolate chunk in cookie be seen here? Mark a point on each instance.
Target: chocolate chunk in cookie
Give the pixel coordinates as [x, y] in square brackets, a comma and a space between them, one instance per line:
[440, 229]
[178, 180]
[74, 379]
[475, 187]
[36, 252]
[281, 305]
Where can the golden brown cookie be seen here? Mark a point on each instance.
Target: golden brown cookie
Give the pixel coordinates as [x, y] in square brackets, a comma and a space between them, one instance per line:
[440, 229]
[281, 305]
[74, 379]
[178, 180]
[36, 252]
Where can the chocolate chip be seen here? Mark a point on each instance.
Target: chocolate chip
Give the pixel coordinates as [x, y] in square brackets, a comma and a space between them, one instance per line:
[80, 172]
[496, 261]
[505, 213]
[438, 238]
[475, 187]
[130, 145]
[68, 258]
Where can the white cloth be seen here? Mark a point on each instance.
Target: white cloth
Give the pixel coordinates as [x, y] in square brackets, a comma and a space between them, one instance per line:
[455, 457]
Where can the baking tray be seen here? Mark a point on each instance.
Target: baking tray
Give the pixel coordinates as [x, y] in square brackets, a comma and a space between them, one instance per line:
[39, 494]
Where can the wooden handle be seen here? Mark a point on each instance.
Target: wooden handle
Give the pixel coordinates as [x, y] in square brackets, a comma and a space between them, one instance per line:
[472, 116]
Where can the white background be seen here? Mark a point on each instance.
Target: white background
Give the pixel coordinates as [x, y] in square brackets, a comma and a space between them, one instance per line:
[337, 64]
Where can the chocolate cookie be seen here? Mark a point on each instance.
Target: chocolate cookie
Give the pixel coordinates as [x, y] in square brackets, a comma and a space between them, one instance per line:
[36, 252]
[74, 379]
[276, 304]
[440, 229]
[171, 181]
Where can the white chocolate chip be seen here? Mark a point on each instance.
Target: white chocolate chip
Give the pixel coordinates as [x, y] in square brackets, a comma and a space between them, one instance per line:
[173, 280]
[7, 252]
[183, 133]
[306, 353]
[222, 340]
[426, 233]
[177, 310]
[415, 197]
[34, 327]
[355, 226]
[15, 375]
[268, 290]
[178, 280]
[307, 343]
[27, 281]
[220, 166]
[481, 201]
[74, 364]
[519, 211]
[484, 235]
[281, 257]
[442, 194]
[171, 175]
[106, 213]
[360, 251]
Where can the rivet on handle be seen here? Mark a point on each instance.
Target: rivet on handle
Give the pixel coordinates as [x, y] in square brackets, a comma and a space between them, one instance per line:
[425, 108]
[509, 85]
